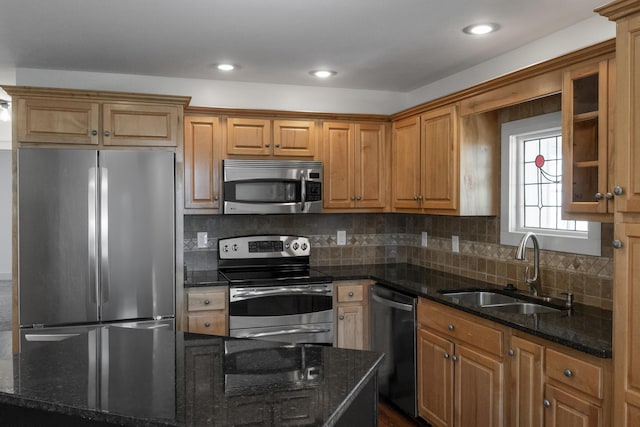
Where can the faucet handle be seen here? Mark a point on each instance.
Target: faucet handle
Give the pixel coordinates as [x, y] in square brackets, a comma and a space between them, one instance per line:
[569, 301]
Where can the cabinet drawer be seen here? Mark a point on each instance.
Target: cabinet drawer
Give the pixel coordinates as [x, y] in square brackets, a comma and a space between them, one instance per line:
[206, 300]
[447, 322]
[574, 372]
[212, 323]
[349, 293]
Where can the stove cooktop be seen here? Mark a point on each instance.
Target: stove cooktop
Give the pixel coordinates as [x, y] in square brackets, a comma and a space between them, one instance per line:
[265, 277]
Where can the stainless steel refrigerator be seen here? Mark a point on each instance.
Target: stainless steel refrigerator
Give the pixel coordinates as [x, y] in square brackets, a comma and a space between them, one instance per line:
[96, 234]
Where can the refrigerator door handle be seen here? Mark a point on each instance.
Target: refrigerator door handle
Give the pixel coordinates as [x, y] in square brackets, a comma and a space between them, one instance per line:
[92, 248]
[104, 234]
[48, 337]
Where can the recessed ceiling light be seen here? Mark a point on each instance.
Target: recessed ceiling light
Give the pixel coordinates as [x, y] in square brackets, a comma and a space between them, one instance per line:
[226, 67]
[322, 74]
[480, 29]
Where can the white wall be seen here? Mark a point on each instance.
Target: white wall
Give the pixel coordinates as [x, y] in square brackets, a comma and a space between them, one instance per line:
[5, 214]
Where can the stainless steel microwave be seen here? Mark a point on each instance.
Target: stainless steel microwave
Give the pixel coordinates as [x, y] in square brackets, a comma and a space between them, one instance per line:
[271, 186]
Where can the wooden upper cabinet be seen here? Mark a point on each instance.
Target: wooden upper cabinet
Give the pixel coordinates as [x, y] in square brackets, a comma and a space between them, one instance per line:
[55, 121]
[446, 164]
[64, 116]
[439, 159]
[354, 166]
[253, 137]
[294, 138]
[201, 162]
[587, 109]
[140, 125]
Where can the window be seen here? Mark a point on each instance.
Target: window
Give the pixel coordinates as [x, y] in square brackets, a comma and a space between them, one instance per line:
[531, 195]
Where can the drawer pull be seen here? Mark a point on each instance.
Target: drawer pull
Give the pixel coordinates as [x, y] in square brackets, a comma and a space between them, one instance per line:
[207, 324]
[446, 355]
[546, 403]
[568, 373]
[512, 352]
[350, 294]
[207, 302]
[450, 327]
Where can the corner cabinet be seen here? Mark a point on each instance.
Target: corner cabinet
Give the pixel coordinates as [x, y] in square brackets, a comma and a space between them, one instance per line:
[202, 162]
[55, 116]
[351, 314]
[587, 147]
[355, 166]
[446, 164]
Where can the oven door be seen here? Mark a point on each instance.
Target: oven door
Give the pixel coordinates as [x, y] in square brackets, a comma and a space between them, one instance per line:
[290, 313]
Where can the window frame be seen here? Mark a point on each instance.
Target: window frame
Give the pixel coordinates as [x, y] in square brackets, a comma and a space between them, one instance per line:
[511, 229]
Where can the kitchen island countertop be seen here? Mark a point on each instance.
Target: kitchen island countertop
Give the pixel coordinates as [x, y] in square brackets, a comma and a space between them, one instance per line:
[157, 377]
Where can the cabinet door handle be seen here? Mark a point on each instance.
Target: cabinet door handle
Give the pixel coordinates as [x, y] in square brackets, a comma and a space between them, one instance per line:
[216, 198]
[454, 358]
[450, 327]
[420, 197]
[94, 132]
[617, 244]
[341, 317]
[512, 352]
[277, 145]
[608, 196]
[546, 403]
[415, 197]
[358, 198]
[267, 145]
[617, 190]
[598, 196]
[446, 355]
[107, 133]
[353, 198]
[207, 324]
[568, 373]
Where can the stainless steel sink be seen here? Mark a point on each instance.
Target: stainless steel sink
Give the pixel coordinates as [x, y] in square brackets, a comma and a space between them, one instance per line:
[479, 298]
[493, 301]
[521, 308]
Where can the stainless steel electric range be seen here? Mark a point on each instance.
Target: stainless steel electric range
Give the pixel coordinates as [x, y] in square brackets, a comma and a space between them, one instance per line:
[273, 292]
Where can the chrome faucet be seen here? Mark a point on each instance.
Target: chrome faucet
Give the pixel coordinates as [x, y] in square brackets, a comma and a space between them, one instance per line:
[534, 282]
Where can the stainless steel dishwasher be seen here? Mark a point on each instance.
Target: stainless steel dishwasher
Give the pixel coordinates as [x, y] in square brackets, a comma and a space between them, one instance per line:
[393, 332]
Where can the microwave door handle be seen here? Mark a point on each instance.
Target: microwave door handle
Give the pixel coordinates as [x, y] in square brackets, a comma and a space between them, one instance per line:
[303, 191]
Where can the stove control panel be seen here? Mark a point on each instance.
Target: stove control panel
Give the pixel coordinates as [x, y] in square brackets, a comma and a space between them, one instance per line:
[267, 246]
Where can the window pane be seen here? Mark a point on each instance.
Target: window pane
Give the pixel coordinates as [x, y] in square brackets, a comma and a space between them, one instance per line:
[548, 217]
[531, 195]
[531, 217]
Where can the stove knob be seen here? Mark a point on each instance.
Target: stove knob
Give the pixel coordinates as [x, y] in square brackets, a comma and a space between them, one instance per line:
[295, 246]
[225, 248]
[287, 245]
[304, 246]
[235, 247]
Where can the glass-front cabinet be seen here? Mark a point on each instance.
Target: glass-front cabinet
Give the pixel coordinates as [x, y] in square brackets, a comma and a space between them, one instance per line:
[587, 110]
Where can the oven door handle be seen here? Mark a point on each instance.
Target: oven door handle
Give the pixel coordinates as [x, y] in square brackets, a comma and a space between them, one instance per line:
[282, 332]
[303, 191]
[279, 291]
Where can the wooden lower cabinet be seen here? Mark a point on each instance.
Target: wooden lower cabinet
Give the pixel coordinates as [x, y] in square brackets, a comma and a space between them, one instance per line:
[564, 409]
[207, 310]
[525, 383]
[458, 384]
[475, 372]
[352, 314]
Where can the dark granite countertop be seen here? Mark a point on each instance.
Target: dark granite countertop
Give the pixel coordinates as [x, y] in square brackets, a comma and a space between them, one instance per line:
[587, 329]
[203, 278]
[159, 377]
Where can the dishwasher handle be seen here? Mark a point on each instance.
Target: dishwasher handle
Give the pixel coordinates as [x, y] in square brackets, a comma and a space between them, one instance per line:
[390, 303]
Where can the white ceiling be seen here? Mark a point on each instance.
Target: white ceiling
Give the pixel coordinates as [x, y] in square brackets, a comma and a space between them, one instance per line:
[394, 45]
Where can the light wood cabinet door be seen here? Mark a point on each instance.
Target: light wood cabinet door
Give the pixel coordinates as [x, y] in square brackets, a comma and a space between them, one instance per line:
[251, 137]
[526, 378]
[370, 181]
[294, 138]
[140, 125]
[439, 159]
[435, 378]
[406, 164]
[585, 140]
[563, 409]
[355, 166]
[479, 389]
[55, 121]
[338, 181]
[201, 163]
[350, 327]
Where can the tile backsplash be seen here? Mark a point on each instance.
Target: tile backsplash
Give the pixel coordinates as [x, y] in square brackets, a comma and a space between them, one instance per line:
[388, 238]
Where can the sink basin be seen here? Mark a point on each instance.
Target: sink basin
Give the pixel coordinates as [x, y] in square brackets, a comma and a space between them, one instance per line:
[521, 308]
[480, 298]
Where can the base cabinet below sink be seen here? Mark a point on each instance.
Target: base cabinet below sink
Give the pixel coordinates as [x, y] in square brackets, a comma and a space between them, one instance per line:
[499, 376]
